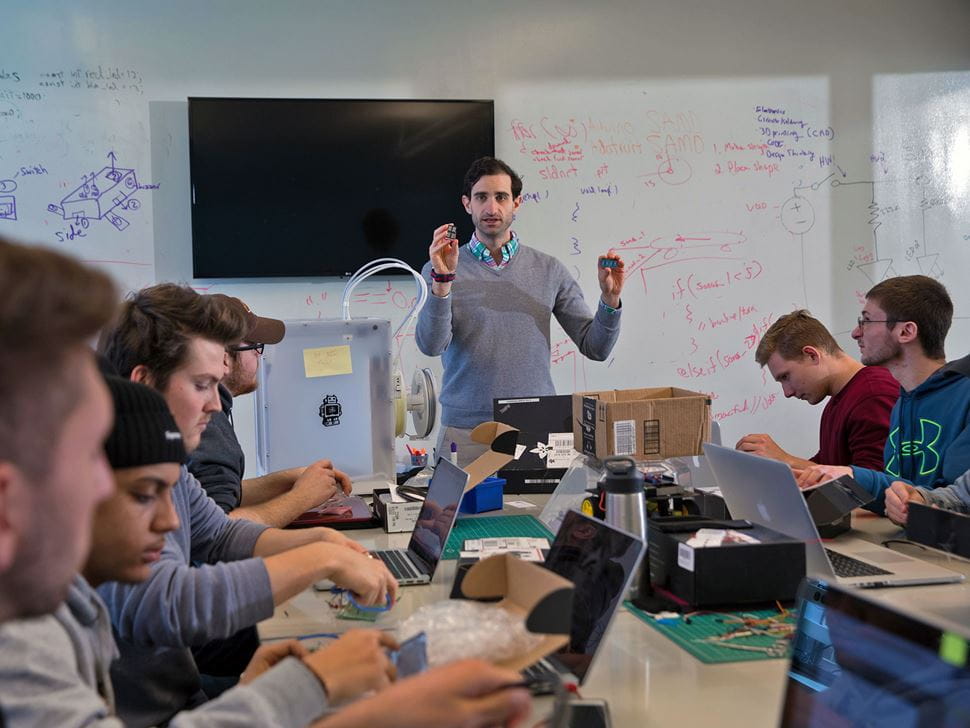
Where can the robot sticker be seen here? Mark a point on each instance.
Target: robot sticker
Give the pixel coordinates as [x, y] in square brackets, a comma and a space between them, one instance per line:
[330, 411]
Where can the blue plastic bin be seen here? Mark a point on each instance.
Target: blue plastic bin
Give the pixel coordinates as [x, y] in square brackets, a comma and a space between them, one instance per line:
[486, 496]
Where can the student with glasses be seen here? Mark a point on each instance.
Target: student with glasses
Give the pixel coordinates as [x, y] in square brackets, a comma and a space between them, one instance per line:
[902, 327]
[274, 499]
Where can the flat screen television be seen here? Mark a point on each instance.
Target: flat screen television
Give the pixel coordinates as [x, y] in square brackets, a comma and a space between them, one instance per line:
[318, 187]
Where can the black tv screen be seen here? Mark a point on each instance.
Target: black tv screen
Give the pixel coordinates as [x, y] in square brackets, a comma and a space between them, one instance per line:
[318, 187]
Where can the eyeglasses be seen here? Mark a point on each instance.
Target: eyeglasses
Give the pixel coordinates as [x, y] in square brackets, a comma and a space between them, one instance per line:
[258, 348]
[863, 321]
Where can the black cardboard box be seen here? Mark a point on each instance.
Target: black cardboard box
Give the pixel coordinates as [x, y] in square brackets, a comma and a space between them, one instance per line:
[942, 529]
[733, 573]
[546, 431]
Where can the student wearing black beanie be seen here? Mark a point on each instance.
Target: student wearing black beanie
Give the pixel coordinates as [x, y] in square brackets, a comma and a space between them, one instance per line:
[145, 451]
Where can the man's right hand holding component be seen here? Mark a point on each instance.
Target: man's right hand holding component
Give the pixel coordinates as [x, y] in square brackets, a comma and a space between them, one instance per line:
[443, 253]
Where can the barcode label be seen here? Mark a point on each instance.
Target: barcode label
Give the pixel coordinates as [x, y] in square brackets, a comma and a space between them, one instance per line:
[624, 437]
[651, 437]
[561, 455]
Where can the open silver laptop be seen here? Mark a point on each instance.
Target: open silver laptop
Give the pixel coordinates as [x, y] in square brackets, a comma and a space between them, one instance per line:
[417, 563]
[764, 491]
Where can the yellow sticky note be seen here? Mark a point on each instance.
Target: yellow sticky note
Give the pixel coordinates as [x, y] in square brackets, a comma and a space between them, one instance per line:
[327, 361]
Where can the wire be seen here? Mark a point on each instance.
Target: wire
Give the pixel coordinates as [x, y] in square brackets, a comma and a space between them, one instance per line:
[378, 266]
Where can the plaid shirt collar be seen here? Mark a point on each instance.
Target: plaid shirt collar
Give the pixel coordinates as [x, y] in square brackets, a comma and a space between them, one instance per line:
[479, 250]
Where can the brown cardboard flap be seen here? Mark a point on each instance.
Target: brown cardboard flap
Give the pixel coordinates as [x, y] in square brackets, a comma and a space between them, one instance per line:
[502, 441]
[486, 432]
[543, 597]
[486, 579]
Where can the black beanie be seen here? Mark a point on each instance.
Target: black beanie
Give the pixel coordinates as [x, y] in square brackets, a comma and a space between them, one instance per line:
[144, 432]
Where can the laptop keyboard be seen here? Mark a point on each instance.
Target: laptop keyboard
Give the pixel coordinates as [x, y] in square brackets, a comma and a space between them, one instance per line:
[399, 566]
[846, 566]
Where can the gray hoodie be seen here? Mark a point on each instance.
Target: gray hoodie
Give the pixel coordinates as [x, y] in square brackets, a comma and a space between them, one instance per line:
[54, 672]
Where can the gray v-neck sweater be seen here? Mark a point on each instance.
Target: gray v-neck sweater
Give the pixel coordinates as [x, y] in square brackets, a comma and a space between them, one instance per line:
[493, 331]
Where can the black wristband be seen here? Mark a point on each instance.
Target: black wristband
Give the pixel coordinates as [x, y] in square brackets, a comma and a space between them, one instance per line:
[442, 277]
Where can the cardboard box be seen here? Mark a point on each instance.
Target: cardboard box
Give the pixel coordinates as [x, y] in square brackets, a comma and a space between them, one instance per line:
[732, 573]
[648, 424]
[545, 600]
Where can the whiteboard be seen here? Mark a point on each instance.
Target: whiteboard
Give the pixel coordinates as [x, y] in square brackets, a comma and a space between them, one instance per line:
[94, 156]
[699, 185]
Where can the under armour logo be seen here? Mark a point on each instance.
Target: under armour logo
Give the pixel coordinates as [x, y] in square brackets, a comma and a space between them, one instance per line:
[923, 448]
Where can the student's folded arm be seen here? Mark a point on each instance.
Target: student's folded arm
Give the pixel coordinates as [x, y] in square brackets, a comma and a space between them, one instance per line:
[276, 513]
[262, 488]
[184, 606]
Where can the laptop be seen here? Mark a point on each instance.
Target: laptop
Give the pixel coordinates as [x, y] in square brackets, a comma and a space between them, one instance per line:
[417, 563]
[764, 491]
[602, 562]
[856, 661]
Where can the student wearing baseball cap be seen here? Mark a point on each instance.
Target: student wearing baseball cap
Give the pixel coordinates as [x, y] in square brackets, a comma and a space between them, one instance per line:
[218, 463]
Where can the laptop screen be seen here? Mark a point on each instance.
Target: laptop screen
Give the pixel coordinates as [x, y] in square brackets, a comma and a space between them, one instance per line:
[601, 562]
[856, 662]
[438, 513]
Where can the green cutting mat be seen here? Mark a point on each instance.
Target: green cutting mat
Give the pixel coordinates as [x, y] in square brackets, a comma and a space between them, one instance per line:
[707, 625]
[493, 527]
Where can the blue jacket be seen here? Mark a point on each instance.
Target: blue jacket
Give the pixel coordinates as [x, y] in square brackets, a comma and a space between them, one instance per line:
[929, 435]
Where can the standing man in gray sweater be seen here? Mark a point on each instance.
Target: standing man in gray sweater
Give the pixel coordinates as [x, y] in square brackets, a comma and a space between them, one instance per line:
[489, 312]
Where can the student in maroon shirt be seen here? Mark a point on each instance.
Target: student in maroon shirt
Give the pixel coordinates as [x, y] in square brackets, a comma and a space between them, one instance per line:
[806, 361]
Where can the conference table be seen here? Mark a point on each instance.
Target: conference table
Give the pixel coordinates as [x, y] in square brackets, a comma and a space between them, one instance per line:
[646, 678]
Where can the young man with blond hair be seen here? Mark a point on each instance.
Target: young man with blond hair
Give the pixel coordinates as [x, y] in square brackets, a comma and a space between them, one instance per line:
[804, 358]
